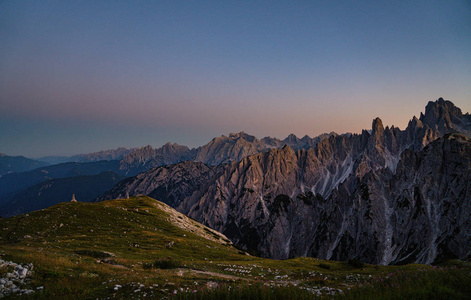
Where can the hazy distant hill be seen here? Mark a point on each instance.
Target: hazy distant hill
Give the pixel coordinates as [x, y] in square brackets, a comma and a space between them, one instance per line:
[10, 164]
[54, 191]
[11, 184]
[112, 154]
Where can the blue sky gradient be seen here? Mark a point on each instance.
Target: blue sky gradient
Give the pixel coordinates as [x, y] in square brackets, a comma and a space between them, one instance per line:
[82, 76]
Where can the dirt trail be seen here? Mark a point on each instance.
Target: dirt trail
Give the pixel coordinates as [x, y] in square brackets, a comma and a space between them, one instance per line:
[225, 276]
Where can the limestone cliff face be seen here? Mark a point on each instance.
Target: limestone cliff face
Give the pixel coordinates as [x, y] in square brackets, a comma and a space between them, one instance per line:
[419, 214]
[432, 210]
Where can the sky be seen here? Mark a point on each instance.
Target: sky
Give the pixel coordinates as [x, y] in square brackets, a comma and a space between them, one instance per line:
[84, 76]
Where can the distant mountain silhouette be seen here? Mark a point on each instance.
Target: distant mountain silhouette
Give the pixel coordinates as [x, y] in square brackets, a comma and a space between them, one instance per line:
[54, 191]
[11, 164]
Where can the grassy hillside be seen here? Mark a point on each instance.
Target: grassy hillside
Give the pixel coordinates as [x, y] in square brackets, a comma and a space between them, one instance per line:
[139, 247]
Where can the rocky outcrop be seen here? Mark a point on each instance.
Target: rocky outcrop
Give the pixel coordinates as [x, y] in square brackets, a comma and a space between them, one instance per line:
[15, 278]
[445, 116]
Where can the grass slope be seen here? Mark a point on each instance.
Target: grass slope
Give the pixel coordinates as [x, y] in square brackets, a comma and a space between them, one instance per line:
[142, 248]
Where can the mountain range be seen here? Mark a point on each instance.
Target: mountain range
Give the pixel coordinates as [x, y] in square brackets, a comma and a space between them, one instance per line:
[385, 196]
[130, 162]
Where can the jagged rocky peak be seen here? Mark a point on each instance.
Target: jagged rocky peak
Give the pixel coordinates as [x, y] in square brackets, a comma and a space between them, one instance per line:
[145, 149]
[243, 135]
[305, 138]
[377, 133]
[415, 123]
[443, 114]
[291, 139]
[169, 147]
[377, 126]
[287, 148]
[377, 129]
[271, 142]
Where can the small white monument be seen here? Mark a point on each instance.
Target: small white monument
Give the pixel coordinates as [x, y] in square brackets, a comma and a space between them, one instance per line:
[73, 198]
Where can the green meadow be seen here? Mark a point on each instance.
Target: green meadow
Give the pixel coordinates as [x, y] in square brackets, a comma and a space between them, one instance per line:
[140, 248]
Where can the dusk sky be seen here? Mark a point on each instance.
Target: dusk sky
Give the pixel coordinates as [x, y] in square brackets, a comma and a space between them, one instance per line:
[84, 76]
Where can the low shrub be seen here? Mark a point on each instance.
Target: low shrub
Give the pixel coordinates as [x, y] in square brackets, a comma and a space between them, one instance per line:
[324, 266]
[355, 263]
[147, 266]
[166, 263]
